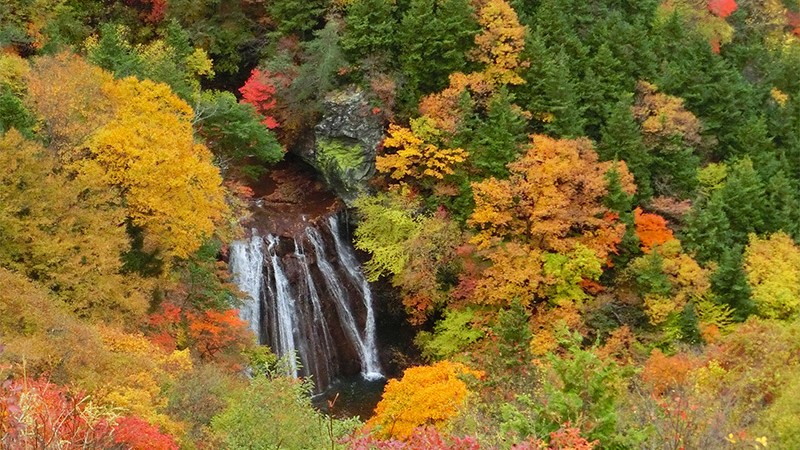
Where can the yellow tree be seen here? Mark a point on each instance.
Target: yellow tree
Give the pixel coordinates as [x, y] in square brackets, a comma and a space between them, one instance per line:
[68, 93]
[66, 232]
[773, 271]
[171, 188]
[415, 153]
[501, 42]
[425, 396]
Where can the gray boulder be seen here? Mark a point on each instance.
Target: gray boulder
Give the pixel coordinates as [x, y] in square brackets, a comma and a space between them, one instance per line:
[343, 145]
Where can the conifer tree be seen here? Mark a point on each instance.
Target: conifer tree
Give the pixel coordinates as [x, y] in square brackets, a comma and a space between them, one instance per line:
[434, 30]
[371, 30]
[745, 201]
[622, 140]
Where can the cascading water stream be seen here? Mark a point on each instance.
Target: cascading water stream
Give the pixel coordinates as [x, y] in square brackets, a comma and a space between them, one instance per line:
[308, 298]
[284, 304]
[339, 296]
[247, 262]
[324, 347]
[372, 365]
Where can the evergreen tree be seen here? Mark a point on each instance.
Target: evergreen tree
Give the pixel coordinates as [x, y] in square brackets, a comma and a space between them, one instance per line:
[371, 30]
[435, 36]
[299, 17]
[603, 81]
[707, 233]
[783, 205]
[498, 138]
[744, 200]
[622, 140]
[729, 282]
[622, 203]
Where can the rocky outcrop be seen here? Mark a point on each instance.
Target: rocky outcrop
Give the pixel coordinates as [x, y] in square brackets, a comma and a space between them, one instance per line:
[343, 145]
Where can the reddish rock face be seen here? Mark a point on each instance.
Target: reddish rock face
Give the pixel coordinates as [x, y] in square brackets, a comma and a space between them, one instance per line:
[288, 198]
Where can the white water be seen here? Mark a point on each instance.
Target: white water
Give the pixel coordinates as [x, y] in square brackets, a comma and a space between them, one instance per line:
[289, 294]
[246, 264]
[285, 309]
[319, 318]
[372, 365]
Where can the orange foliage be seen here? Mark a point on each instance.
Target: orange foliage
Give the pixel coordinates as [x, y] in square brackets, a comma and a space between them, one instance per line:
[722, 8]
[666, 373]
[425, 396]
[213, 331]
[618, 346]
[553, 200]
[652, 229]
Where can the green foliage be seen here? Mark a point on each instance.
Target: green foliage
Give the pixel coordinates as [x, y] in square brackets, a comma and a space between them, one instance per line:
[434, 30]
[567, 271]
[339, 155]
[170, 60]
[495, 140]
[580, 389]
[297, 16]
[514, 335]
[276, 414]
[14, 114]
[385, 228]
[622, 140]
[371, 30]
[233, 131]
[454, 333]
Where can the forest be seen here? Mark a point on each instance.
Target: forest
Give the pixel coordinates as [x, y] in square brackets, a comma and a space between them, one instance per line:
[585, 215]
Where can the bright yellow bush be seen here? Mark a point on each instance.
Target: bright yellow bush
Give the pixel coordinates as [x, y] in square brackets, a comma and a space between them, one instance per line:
[426, 395]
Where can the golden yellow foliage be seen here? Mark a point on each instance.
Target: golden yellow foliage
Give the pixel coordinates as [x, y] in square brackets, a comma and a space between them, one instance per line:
[68, 93]
[426, 395]
[172, 189]
[65, 232]
[13, 70]
[501, 42]
[416, 153]
[664, 117]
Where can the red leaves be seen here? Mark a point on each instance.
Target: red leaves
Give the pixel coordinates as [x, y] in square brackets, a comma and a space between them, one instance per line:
[52, 417]
[136, 434]
[793, 19]
[259, 91]
[150, 11]
[722, 8]
[424, 437]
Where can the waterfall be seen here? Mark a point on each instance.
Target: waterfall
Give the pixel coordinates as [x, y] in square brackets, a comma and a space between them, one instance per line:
[308, 298]
[246, 263]
[286, 319]
[371, 361]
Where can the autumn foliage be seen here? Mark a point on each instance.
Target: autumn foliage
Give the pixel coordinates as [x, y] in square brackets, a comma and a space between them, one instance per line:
[259, 91]
[552, 200]
[426, 395]
[652, 229]
[415, 153]
[722, 8]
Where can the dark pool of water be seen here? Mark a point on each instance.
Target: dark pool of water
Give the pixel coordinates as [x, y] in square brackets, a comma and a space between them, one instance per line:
[356, 397]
